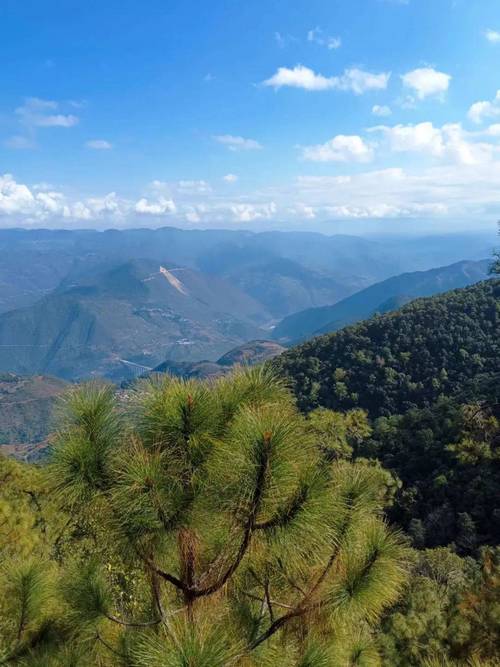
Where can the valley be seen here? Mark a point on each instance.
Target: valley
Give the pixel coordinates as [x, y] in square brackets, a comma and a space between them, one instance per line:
[113, 304]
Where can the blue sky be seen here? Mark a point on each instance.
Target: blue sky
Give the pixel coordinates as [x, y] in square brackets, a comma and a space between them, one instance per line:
[265, 114]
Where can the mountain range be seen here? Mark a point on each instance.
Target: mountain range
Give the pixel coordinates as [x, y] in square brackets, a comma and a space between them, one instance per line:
[285, 271]
[381, 297]
[133, 315]
[79, 304]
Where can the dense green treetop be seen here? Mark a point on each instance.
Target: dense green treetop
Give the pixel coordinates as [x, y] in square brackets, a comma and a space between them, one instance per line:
[447, 458]
[399, 361]
[225, 536]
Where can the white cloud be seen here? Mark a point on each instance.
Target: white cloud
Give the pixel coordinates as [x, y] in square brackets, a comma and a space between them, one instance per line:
[303, 211]
[449, 142]
[492, 36]
[355, 80]
[235, 143]
[426, 82]
[342, 148]
[317, 36]
[457, 191]
[230, 178]
[36, 112]
[493, 130]
[56, 120]
[161, 206]
[14, 197]
[382, 111]
[110, 203]
[479, 111]
[251, 212]
[99, 144]
[423, 138]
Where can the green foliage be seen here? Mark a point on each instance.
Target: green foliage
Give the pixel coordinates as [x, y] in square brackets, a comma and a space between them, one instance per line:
[337, 433]
[223, 532]
[449, 614]
[448, 460]
[393, 363]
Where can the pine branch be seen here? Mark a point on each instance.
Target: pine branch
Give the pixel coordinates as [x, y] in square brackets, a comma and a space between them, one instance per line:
[166, 576]
[286, 515]
[282, 620]
[250, 523]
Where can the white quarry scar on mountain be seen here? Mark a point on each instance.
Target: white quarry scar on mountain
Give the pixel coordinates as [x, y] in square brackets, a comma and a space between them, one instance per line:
[175, 282]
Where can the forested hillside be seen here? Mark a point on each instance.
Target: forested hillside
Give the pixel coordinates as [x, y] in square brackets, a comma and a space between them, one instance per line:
[135, 547]
[403, 360]
[429, 377]
[380, 298]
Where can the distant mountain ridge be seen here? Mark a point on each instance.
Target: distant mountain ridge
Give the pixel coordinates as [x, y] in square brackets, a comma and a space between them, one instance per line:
[86, 303]
[381, 297]
[139, 312]
[34, 262]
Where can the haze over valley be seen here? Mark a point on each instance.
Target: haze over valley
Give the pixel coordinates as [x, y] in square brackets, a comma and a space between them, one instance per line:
[114, 304]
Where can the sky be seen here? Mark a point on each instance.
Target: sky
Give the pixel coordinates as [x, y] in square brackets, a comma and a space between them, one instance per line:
[269, 114]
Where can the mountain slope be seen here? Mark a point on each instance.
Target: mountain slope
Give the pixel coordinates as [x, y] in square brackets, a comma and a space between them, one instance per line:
[382, 297]
[282, 285]
[35, 261]
[391, 363]
[26, 406]
[134, 314]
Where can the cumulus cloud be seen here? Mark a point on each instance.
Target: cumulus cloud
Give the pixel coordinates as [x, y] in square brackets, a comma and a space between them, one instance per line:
[99, 145]
[426, 82]
[492, 36]
[450, 142]
[36, 112]
[342, 148]
[160, 206]
[479, 111]
[230, 178]
[235, 143]
[14, 197]
[354, 80]
[250, 212]
[382, 111]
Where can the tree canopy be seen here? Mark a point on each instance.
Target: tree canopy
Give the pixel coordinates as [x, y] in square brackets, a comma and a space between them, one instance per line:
[213, 531]
[392, 363]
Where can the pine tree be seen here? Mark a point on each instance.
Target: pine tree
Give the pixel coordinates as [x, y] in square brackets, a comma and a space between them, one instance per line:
[221, 533]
